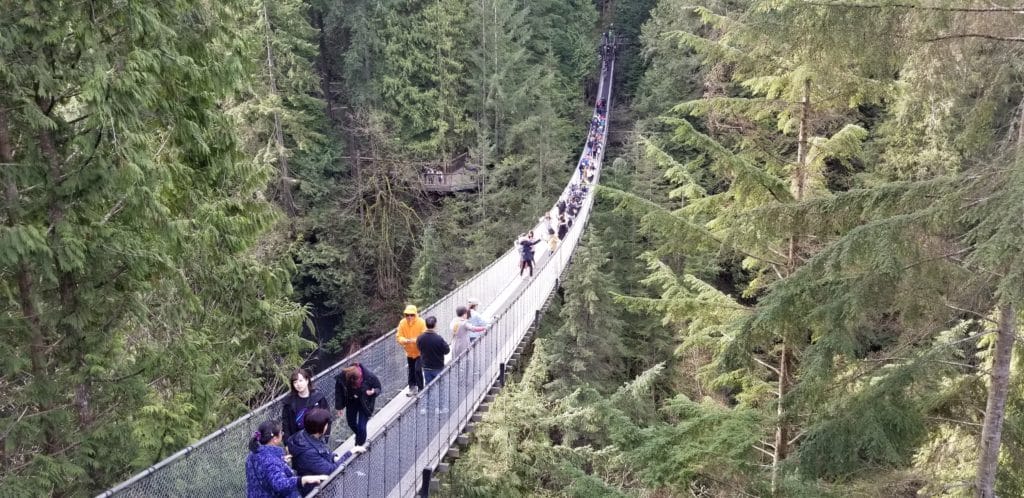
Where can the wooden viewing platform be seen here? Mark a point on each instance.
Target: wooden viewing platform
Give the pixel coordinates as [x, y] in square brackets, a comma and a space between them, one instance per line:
[460, 180]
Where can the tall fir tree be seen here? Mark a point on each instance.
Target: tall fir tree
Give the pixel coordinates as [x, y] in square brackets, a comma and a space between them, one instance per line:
[135, 300]
[588, 346]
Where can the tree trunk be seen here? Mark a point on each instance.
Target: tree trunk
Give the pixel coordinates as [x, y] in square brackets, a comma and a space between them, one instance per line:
[995, 409]
[800, 175]
[67, 284]
[284, 187]
[798, 187]
[781, 449]
[37, 343]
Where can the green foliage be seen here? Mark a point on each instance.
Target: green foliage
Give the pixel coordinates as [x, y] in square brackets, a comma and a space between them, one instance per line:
[427, 281]
[704, 438]
[140, 311]
[588, 346]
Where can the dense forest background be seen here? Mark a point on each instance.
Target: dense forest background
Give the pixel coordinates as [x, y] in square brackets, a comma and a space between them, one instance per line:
[825, 198]
[200, 196]
[801, 278]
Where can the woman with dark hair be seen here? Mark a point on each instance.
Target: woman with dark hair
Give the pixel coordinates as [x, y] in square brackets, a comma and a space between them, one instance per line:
[266, 473]
[563, 227]
[355, 391]
[310, 455]
[527, 253]
[300, 400]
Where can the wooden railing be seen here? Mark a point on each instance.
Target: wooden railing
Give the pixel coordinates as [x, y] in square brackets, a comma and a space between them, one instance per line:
[457, 181]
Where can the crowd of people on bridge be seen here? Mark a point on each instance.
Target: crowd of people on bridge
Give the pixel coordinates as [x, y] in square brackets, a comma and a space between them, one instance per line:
[304, 428]
[569, 205]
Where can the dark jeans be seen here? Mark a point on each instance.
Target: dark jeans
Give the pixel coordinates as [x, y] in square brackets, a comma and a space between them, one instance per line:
[524, 264]
[357, 419]
[415, 375]
[440, 397]
[429, 374]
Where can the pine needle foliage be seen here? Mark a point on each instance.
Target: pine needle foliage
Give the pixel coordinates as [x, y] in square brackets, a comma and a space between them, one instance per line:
[871, 291]
[139, 315]
[588, 346]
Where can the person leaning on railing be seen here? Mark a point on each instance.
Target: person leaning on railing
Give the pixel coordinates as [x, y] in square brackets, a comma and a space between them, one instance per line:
[476, 317]
[309, 451]
[267, 473]
[461, 330]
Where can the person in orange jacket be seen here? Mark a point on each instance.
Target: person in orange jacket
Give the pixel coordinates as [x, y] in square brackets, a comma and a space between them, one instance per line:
[410, 328]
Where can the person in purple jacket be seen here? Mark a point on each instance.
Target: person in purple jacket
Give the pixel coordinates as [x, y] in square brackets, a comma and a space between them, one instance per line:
[267, 474]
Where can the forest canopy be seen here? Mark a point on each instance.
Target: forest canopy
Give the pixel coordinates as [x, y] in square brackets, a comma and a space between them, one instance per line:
[802, 276]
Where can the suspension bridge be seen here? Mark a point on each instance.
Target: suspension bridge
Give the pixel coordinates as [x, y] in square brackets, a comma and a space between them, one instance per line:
[408, 436]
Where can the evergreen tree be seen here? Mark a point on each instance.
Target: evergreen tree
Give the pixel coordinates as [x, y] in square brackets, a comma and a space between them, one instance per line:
[427, 281]
[281, 119]
[136, 301]
[588, 346]
[862, 257]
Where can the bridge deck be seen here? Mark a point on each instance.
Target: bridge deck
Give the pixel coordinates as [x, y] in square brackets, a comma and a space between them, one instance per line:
[408, 434]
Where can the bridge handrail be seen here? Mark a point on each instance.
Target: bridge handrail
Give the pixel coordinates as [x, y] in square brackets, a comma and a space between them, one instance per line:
[188, 471]
[390, 463]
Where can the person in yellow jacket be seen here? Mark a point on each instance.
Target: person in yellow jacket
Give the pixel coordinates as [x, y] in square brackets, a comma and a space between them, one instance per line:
[409, 329]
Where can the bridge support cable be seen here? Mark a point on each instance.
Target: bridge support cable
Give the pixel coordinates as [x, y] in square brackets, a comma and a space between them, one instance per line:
[414, 441]
[215, 465]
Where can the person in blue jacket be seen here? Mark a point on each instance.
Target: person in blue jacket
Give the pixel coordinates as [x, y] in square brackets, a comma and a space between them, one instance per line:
[267, 474]
[310, 455]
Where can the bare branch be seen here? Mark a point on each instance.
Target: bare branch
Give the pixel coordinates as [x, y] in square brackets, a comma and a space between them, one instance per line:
[956, 36]
[766, 365]
[909, 6]
[762, 450]
[972, 312]
[963, 422]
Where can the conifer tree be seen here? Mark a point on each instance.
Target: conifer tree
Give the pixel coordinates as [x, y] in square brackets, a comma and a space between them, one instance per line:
[129, 220]
[755, 165]
[872, 253]
[281, 115]
[427, 281]
[588, 346]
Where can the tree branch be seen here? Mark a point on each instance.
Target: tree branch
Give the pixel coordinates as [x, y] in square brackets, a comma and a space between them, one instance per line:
[972, 312]
[909, 6]
[944, 419]
[766, 365]
[762, 450]
[955, 36]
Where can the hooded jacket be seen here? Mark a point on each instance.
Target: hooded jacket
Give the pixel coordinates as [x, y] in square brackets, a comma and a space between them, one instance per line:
[412, 330]
[310, 457]
[357, 398]
[268, 476]
[294, 408]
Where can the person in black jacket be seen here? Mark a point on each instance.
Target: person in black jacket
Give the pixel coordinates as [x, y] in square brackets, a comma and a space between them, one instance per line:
[432, 350]
[310, 455]
[300, 400]
[355, 391]
[527, 259]
[563, 227]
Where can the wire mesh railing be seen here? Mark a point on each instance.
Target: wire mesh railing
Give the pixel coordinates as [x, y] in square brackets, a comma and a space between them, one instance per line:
[419, 436]
[215, 465]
